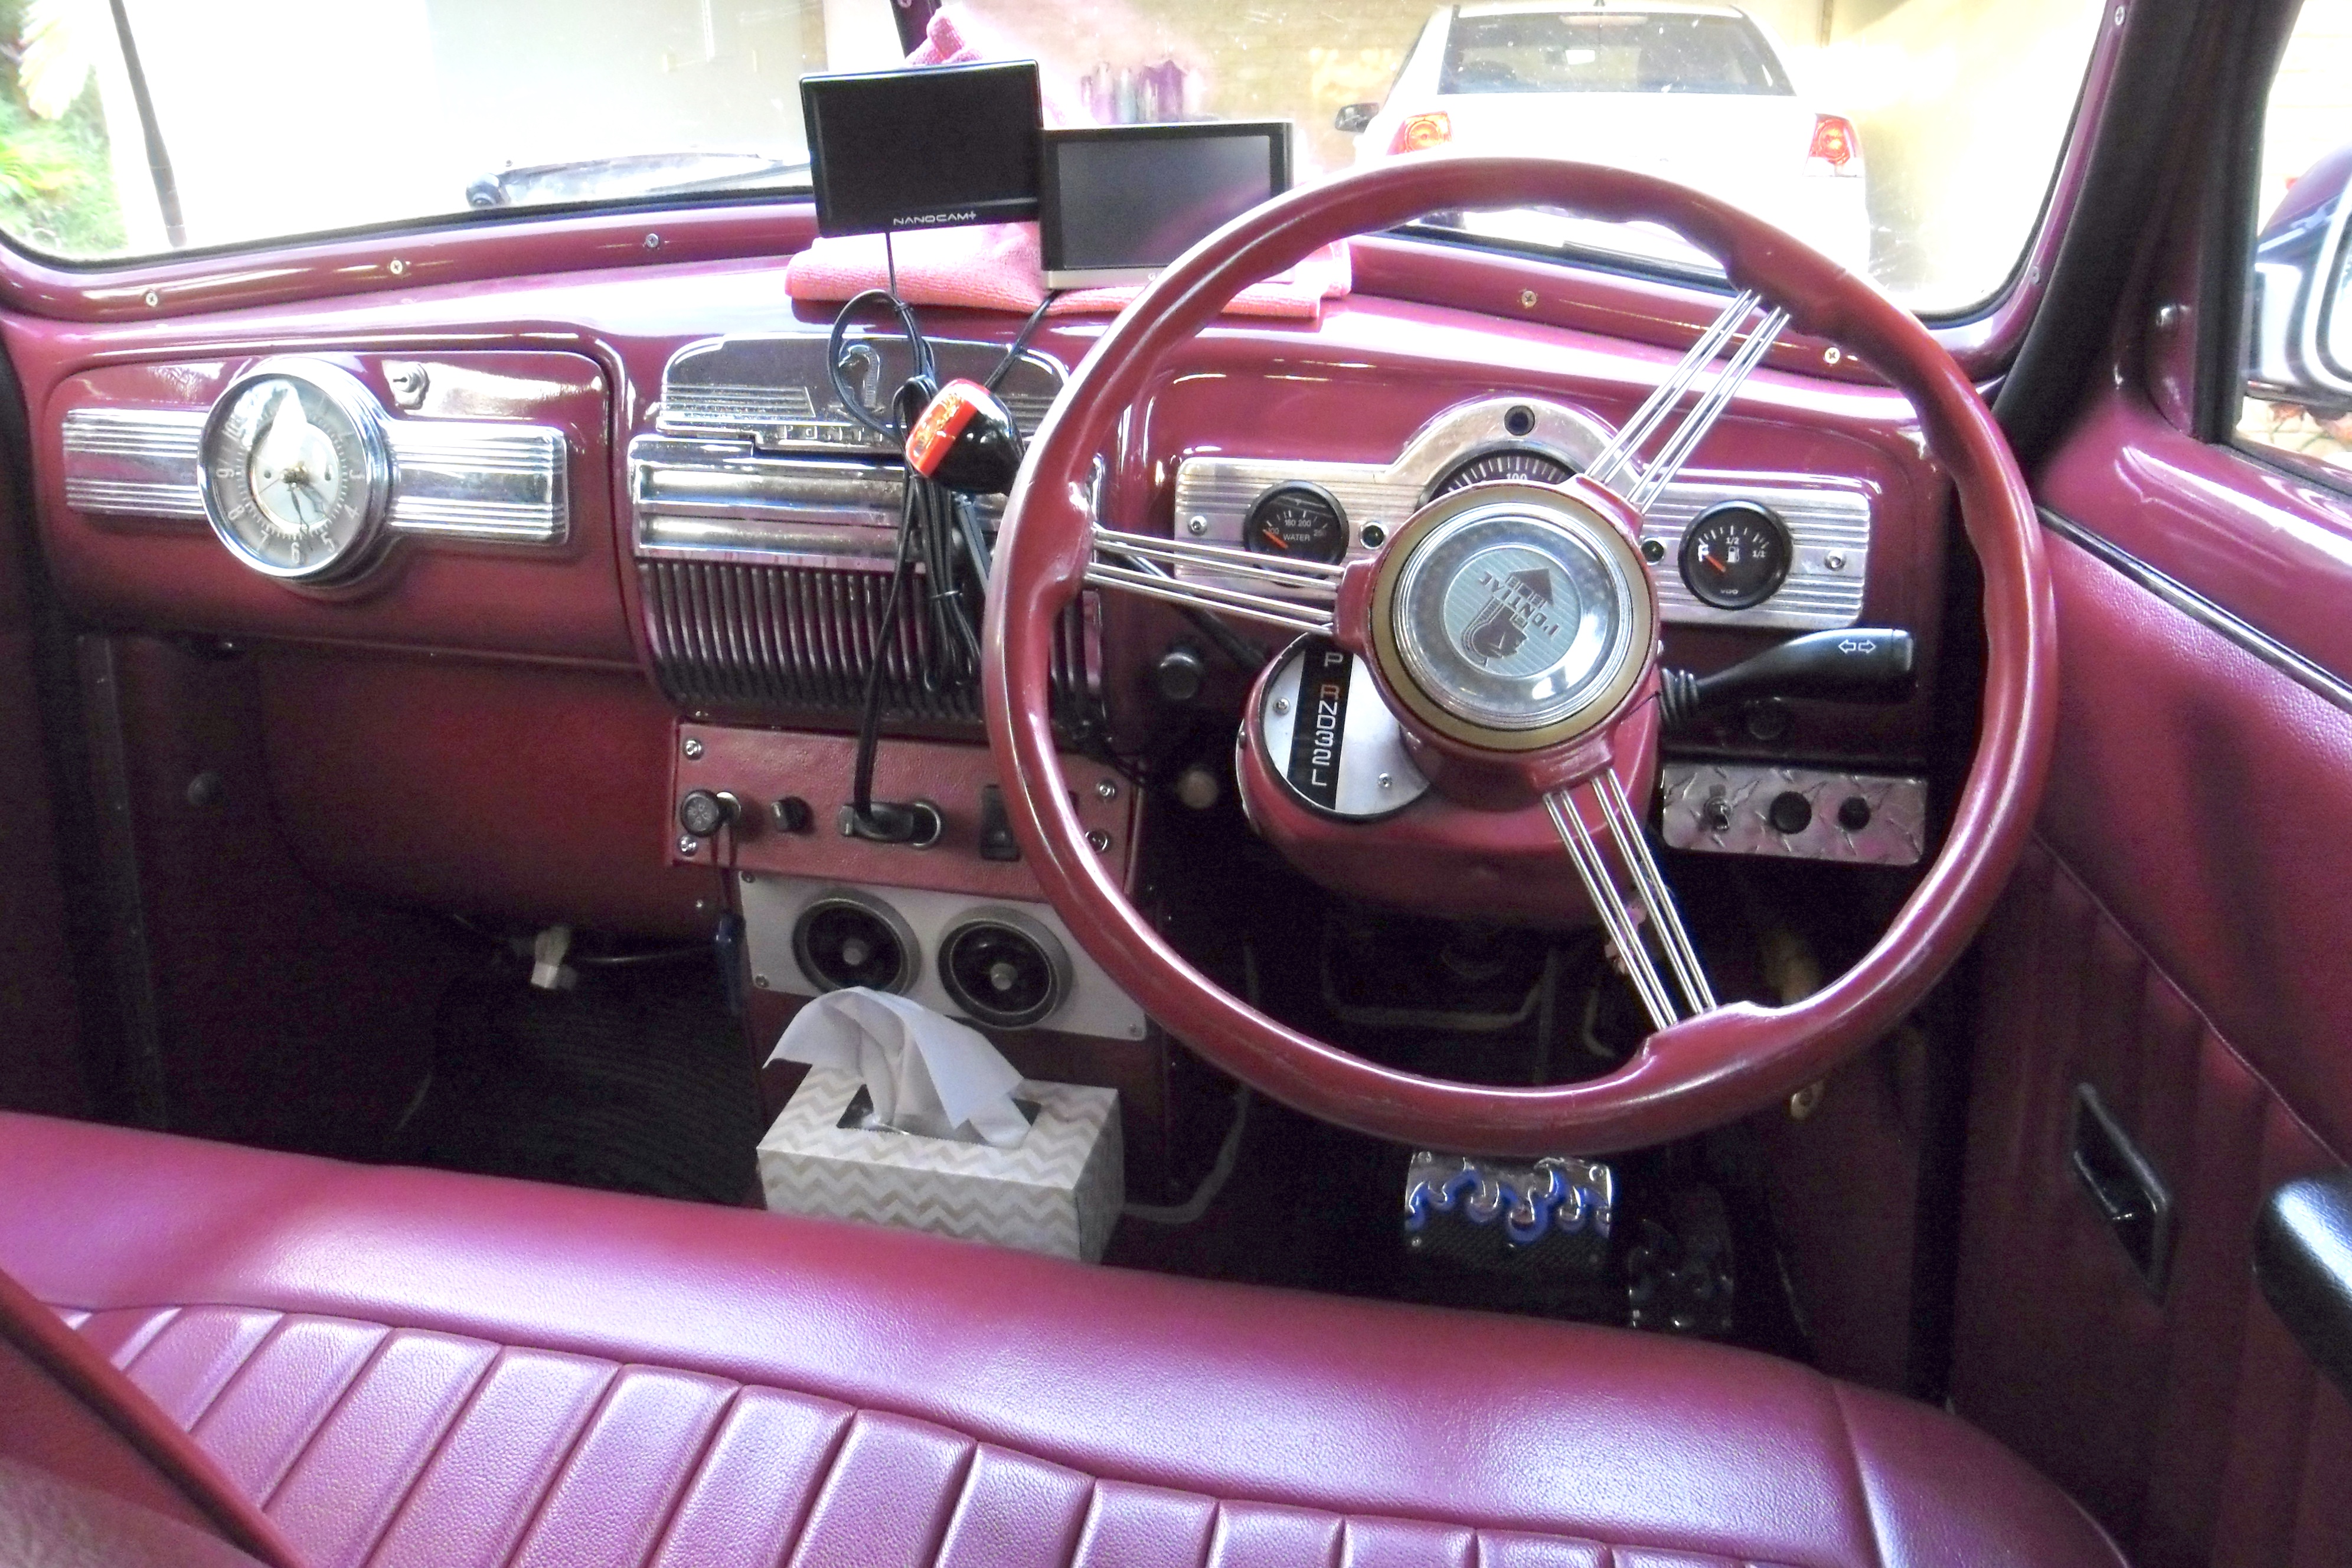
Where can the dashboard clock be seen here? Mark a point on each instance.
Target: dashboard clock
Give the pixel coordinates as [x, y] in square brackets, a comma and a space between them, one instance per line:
[1736, 555]
[296, 472]
[1302, 522]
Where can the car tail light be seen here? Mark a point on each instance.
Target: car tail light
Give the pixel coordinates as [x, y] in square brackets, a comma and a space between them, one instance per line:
[1421, 131]
[1836, 149]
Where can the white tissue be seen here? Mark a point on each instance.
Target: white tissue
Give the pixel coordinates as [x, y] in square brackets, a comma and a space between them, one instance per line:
[925, 1072]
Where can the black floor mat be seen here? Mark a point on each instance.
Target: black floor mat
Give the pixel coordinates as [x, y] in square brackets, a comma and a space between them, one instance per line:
[638, 1080]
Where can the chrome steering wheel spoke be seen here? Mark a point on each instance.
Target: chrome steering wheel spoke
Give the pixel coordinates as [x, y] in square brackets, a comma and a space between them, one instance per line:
[1621, 452]
[1680, 989]
[1297, 596]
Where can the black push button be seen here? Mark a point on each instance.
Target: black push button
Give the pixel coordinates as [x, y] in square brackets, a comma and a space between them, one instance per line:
[1789, 812]
[1853, 813]
[1180, 673]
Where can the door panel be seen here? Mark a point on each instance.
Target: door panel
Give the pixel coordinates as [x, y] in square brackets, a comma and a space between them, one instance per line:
[2204, 795]
[2175, 940]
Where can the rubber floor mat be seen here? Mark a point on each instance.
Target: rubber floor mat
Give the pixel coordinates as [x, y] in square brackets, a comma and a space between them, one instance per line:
[637, 1081]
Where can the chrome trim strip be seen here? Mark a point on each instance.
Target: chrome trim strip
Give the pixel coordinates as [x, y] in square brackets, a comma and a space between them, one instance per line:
[158, 435]
[1830, 520]
[477, 481]
[501, 484]
[2204, 611]
[135, 498]
[774, 389]
[133, 462]
[703, 499]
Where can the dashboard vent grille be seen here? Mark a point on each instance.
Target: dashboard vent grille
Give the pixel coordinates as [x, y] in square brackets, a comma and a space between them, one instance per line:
[750, 407]
[796, 640]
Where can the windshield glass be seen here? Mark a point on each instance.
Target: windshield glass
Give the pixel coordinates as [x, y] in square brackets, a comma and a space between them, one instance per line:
[1912, 139]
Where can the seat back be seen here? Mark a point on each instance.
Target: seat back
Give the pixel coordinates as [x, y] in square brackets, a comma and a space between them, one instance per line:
[68, 1415]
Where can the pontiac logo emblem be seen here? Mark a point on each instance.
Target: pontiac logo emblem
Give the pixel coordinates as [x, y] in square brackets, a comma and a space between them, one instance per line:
[1515, 604]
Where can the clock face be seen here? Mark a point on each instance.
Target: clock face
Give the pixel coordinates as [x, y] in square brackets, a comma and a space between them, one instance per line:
[294, 473]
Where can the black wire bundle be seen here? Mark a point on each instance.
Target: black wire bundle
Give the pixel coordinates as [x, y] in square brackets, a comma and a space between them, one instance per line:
[940, 531]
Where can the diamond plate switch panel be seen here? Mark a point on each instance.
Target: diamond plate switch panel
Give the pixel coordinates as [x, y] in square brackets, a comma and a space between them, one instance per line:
[1801, 814]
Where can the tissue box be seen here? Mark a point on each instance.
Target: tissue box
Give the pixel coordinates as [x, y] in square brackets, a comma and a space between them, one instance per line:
[1059, 1192]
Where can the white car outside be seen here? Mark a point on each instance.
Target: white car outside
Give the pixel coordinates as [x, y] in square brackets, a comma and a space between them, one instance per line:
[1694, 93]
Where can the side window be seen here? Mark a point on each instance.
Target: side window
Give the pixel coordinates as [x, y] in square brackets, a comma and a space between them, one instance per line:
[2298, 394]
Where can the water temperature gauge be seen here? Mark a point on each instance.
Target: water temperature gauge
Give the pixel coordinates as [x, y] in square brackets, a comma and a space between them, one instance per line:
[1302, 522]
[1736, 556]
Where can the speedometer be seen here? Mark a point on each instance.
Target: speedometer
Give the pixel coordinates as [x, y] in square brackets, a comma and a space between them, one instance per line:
[295, 471]
[1524, 464]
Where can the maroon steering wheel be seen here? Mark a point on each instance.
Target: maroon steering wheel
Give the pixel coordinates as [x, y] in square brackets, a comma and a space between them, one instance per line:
[1706, 1063]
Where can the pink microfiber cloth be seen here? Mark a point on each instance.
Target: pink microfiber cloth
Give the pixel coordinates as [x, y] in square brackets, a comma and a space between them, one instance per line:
[998, 267]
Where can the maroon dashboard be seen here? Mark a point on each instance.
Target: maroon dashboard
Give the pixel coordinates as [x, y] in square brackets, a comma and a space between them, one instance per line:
[625, 504]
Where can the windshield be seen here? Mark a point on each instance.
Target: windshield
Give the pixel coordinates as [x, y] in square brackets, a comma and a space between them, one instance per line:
[1607, 51]
[1912, 139]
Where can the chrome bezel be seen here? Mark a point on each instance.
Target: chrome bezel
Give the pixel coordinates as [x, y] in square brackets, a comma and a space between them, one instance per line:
[910, 952]
[1372, 730]
[1830, 519]
[1773, 520]
[351, 398]
[1509, 445]
[1433, 691]
[1339, 515]
[1030, 930]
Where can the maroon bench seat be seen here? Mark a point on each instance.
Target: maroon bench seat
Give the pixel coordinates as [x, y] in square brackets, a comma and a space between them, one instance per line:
[404, 1366]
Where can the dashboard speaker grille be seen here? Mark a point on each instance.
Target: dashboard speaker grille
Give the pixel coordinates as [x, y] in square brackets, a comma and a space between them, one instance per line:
[795, 639]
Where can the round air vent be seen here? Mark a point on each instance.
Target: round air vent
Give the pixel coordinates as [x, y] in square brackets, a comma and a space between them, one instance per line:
[845, 938]
[1004, 968]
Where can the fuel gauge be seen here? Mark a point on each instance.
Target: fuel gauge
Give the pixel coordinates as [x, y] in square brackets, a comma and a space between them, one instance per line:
[1736, 555]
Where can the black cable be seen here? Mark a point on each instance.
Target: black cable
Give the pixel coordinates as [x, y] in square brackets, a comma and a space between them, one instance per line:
[1020, 343]
[954, 647]
[975, 537]
[937, 529]
[869, 715]
[891, 426]
[919, 349]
